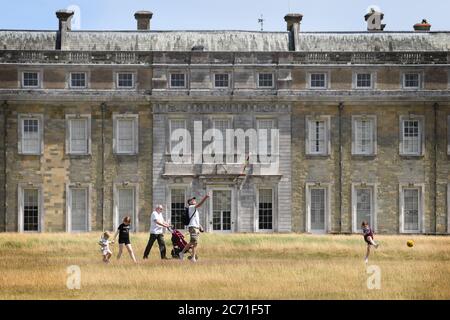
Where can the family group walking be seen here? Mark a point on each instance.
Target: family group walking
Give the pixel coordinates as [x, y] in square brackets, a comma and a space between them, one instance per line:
[157, 225]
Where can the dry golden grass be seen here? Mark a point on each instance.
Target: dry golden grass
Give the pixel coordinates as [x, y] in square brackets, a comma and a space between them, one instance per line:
[231, 266]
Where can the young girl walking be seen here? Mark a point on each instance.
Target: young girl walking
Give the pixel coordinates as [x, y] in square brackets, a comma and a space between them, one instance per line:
[124, 238]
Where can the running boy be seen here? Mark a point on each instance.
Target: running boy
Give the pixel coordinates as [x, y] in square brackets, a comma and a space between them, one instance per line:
[368, 237]
[124, 238]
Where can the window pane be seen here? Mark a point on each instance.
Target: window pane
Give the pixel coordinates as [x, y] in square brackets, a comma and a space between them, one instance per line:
[267, 124]
[126, 205]
[177, 208]
[411, 137]
[177, 80]
[79, 209]
[78, 80]
[174, 125]
[363, 80]
[30, 79]
[125, 80]
[363, 206]
[78, 136]
[221, 80]
[364, 136]
[317, 136]
[265, 80]
[411, 209]
[222, 125]
[265, 209]
[411, 80]
[30, 136]
[125, 135]
[31, 210]
[318, 80]
[221, 210]
[317, 209]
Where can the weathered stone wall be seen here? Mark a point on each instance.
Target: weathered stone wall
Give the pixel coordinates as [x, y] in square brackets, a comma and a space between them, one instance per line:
[387, 169]
[54, 169]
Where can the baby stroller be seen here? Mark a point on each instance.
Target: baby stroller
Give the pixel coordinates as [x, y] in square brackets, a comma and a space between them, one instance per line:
[178, 243]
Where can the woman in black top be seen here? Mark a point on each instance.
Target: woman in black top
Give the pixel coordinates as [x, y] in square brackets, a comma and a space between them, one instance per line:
[124, 238]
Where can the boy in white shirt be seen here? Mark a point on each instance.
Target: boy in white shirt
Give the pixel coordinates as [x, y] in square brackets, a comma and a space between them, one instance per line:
[157, 225]
[194, 226]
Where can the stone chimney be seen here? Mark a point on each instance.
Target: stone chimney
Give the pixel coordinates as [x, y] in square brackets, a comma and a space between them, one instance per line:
[143, 20]
[65, 25]
[374, 19]
[293, 26]
[423, 26]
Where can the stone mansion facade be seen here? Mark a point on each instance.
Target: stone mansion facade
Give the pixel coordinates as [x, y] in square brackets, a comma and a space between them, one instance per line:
[363, 120]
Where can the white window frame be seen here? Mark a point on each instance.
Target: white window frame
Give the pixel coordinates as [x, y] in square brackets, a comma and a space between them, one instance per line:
[185, 80]
[133, 79]
[421, 206]
[373, 78]
[420, 84]
[327, 80]
[116, 118]
[373, 119]
[265, 87]
[39, 79]
[421, 120]
[221, 73]
[20, 207]
[69, 118]
[327, 147]
[327, 218]
[33, 116]
[135, 218]
[373, 214]
[86, 80]
[88, 188]
[274, 209]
